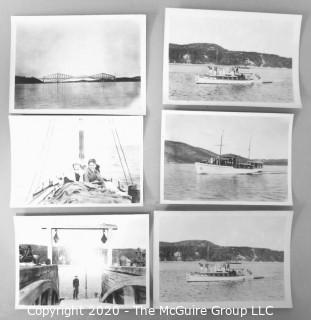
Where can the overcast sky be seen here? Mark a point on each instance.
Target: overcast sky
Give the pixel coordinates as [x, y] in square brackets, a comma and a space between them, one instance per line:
[264, 33]
[269, 135]
[227, 229]
[79, 45]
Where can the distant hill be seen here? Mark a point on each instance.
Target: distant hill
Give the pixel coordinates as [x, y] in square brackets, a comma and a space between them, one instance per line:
[212, 53]
[128, 79]
[31, 80]
[185, 153]
[190, 250]
[180, 152]
[277, 162]
[24, 80]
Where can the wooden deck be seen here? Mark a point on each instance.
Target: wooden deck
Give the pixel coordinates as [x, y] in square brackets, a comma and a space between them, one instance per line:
[122, 286]
[38, 284]
[135, 271]
[29, 273]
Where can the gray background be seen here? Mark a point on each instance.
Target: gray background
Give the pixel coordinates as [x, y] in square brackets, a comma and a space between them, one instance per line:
[300, 248]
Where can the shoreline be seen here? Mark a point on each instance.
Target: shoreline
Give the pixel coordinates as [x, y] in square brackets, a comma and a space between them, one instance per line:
[225, 65]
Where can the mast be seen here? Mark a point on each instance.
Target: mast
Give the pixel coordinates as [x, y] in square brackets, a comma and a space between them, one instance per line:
[81, 143]
[220, 146]
[249, 148]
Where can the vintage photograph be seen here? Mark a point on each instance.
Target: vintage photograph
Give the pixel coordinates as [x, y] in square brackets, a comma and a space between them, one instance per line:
[226, 158]
[78, 64]
[231, 58]
[232, 259]
[89, 261]
[76, 161]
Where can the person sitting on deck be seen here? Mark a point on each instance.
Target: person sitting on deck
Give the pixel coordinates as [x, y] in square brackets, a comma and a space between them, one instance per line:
[76, 176]
[92, 175]
[78, 172]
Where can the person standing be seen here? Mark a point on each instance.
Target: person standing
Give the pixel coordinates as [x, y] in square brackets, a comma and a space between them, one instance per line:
[75, 284]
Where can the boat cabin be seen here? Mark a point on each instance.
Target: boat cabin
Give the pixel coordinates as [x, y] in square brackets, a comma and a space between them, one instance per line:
[229, 73]
[235, 162]
[222, 270]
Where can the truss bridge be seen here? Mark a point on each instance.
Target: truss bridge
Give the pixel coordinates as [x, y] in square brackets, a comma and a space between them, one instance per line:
[62, 77]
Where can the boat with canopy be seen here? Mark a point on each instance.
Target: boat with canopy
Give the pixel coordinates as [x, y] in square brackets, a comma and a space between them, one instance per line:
[233, 75]
[227, 271]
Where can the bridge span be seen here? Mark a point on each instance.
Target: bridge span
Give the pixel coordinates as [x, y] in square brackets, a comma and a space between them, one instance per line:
[62, 77]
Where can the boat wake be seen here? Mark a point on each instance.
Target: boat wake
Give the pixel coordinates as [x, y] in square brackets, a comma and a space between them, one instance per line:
[273, 172]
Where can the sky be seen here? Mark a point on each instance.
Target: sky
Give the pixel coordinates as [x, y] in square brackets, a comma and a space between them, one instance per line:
[268, 135]
[227, 229]
[132, 231]
[78, 45]
[51, 153]
[238, 31]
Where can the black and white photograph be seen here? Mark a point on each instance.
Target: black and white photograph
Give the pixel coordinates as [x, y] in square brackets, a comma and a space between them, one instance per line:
[78, 64]
[89, 261]
[215, 258]
[226, 158]
[76, 161]
[231, 58]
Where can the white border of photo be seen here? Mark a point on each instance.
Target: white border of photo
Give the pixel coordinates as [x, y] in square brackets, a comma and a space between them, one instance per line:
[66, 220]
[296, 20]
[285, 303]
[15, 147]
[136, 109]
[287, 202]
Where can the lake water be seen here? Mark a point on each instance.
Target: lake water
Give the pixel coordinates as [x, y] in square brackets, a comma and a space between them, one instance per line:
[174, 288]
[182, 86]
[78, 95]
[181, 182]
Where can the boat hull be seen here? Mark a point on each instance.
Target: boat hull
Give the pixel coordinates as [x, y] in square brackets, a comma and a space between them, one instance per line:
[206, 168]
[202, 277]
[211, 80]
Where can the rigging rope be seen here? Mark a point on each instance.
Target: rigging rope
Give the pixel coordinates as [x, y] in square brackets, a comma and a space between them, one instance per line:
[118, 152]
[43, 157]
[128, 170]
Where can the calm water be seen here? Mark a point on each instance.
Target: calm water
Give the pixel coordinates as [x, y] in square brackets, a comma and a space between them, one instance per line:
[174, 288]
[183, 183]
[81, 95]
[182, 86]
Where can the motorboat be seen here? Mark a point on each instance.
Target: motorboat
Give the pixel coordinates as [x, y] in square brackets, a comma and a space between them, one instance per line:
[221, 272]
[219, 75]
[229, 164]
[249, 167]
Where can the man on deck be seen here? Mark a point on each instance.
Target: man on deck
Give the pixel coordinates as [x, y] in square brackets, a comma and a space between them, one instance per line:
[75, 284]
